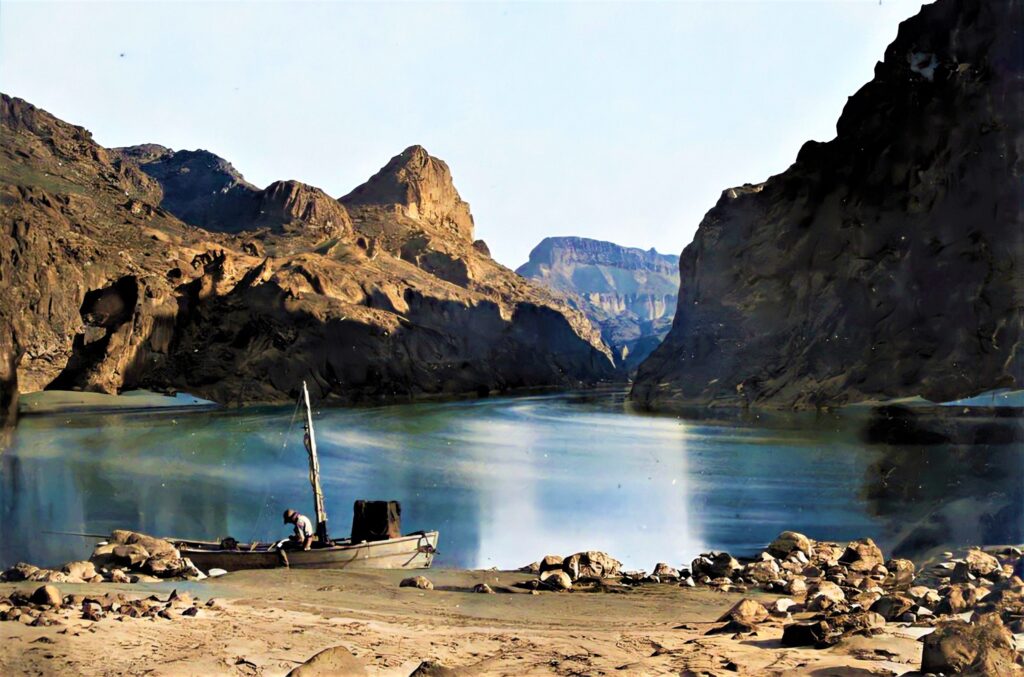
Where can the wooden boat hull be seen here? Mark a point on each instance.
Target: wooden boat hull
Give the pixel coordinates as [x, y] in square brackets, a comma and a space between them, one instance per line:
[408, 552]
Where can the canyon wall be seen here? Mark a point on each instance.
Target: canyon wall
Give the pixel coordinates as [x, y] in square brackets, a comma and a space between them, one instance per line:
[884, 263]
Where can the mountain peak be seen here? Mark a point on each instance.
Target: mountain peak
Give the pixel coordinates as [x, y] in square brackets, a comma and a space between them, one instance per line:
[421, 187]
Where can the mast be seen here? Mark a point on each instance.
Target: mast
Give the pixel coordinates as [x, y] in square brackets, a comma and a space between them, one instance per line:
[314, 471]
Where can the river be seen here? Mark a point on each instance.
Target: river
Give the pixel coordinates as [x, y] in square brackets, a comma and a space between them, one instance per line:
[508, 480]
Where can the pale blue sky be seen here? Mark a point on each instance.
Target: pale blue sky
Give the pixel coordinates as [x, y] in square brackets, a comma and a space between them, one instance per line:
[618, 121]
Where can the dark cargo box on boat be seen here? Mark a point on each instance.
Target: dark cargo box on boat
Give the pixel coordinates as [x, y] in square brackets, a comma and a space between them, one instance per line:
[376, 521]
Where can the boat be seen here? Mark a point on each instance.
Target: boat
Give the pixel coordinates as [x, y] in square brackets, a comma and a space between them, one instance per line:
[410, 551]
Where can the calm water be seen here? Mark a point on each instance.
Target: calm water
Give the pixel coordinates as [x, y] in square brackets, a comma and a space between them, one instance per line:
[507, 481]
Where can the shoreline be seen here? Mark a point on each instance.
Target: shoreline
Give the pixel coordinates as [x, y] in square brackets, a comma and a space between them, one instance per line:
[802, 607]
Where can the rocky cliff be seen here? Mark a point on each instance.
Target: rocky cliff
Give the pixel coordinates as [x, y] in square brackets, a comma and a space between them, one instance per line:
[108, 283]
[629, 293]
[206, 191]
[884, 263]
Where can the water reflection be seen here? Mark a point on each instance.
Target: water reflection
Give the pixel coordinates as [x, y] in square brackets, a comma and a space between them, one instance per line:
[509, 480]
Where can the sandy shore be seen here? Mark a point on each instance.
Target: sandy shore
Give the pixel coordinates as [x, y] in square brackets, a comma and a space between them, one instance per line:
[268, 622]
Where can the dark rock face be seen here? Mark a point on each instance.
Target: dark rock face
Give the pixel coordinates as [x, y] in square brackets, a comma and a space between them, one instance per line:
[104, 288]
[884, 263]
[206, 191]
[629, 293]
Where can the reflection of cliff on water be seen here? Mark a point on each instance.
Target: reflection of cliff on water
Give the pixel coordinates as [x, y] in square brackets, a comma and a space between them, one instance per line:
[954, 474]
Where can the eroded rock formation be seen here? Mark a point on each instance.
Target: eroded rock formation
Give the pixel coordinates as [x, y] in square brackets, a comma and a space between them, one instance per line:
[884, 263]
[108, 283]
[629, 293]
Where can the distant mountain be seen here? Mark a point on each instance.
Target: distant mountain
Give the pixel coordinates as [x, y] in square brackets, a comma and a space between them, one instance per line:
[885, 263]
[206, 191]
[146, 267]
[629, 293]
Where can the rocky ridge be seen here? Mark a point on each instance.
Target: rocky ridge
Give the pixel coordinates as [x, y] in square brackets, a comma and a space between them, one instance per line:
[884, 263]
[629, 293]
[104, 286]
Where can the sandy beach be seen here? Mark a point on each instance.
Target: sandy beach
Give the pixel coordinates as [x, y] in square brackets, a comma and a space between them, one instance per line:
[269, 622]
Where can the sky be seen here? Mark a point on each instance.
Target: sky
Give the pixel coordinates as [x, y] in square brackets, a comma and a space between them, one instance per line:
[615, 121]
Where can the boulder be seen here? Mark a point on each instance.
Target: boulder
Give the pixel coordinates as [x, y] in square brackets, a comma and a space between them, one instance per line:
[336, 661]
[892, 607]
[556, 580]
[982, 648]
[81, 569]
[805, 634]
[762, 572]
[129, 555]
[591, 564]
[747, 610]
[483, 588]
[47, 594]
[796, 586]
[980, 563]
[901, 571]
[533, 568]
[957, 599]
[432, 669]
[154, 546]
[862, 555]
[826, 589]
[782, 606]
[165, 566]
[550, 562]
[119, 576]
[788, 542]
[715, 565]
[663, 571]
[21, 571]
[420, 582]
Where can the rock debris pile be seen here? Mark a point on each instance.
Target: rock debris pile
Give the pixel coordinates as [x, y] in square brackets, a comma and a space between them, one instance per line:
[128, 557]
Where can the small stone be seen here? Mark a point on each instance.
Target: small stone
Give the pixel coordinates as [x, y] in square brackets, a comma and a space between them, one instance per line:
[420, 582]
[190, 611]
[483, 588]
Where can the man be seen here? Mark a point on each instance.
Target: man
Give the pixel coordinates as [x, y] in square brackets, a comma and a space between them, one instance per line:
[304, 534]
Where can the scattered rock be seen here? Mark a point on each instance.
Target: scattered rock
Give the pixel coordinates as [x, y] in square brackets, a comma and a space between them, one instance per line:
[483, 588]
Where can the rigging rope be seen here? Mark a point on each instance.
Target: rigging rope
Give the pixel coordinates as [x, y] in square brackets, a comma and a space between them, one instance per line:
[266, 494]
